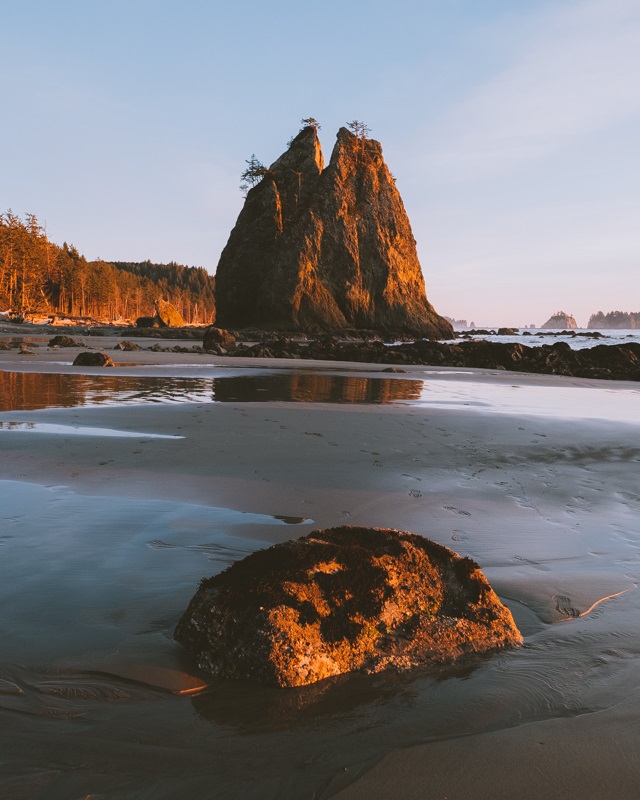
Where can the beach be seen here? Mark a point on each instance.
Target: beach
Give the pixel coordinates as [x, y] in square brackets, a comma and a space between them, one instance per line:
[121, 488]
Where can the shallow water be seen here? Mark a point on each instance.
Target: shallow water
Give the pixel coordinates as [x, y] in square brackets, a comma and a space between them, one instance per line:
[33, 390]
[97, 700]
[9, 426]
[91, 589]
[25, 391]
[578, 340]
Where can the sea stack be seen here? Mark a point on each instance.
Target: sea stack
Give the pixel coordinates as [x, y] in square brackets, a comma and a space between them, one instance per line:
[318, 248]
[560, 320]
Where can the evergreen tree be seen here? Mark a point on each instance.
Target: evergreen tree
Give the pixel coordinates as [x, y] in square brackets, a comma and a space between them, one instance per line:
[253, 174]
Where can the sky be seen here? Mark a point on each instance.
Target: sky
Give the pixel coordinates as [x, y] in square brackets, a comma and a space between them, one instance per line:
[512, 130]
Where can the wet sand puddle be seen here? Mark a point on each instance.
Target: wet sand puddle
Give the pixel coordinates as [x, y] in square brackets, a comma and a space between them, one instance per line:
[30, 391]
[76, 430]
[96, 698]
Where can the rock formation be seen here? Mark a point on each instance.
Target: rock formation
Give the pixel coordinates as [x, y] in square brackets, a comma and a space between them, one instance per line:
[64, 341]
[93, 359]
[168, 314]
[325, 248]
[148, 322]
[560, 321]
[341, 600]
[127, 346]
[620, 362]
[216, 337]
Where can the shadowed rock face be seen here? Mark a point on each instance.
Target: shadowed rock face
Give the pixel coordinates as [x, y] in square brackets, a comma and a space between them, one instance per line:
[93, 359]
[325, 248]
[341, 600]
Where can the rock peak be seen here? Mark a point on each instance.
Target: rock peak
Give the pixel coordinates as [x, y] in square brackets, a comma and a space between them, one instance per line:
[304, 150]
[325, 248]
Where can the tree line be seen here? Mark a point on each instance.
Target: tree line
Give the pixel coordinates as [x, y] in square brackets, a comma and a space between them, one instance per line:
[615, 319]
[37, 275]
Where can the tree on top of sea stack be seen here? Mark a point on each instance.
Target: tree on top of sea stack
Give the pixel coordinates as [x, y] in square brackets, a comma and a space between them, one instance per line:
[325, 248]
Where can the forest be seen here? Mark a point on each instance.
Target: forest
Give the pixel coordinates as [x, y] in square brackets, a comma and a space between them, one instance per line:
[622, 320]
[38, 276]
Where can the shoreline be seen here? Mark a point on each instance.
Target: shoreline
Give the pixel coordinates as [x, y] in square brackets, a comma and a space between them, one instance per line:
[547, 505]
[619, 361]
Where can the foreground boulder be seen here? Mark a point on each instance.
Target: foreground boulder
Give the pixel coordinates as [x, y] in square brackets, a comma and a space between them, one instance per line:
[341, 600]
[87, 359]
[325, 248]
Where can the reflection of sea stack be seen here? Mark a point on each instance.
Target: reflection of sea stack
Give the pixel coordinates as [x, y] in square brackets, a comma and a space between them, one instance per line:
[560, 320]
[325, 248]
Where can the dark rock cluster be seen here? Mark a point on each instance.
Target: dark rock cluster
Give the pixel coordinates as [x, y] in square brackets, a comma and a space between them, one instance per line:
[612, 362]
[342, 600]
[93, 359]
[64, 341]
[166, 316]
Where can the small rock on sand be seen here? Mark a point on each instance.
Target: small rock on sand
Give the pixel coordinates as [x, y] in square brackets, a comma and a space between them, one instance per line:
[87, 359]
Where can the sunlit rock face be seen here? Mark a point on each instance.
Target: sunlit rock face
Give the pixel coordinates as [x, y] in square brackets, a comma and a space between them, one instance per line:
[168, 315]
[560, 320]
[342, 600]
[325, 248]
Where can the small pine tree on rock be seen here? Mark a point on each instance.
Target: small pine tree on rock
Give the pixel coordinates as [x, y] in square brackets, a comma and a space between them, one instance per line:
[253, 174]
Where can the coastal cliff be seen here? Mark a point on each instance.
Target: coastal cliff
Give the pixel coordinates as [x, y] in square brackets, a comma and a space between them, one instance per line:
[318, 248]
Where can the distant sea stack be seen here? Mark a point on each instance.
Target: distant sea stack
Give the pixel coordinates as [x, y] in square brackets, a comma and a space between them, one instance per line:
[318, 248]
[560, 320]
[620, 320]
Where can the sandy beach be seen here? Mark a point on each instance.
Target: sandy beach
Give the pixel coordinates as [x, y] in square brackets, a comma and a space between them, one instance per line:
[120, 489]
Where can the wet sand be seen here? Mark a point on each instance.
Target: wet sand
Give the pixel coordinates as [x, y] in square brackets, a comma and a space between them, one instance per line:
[104, 539]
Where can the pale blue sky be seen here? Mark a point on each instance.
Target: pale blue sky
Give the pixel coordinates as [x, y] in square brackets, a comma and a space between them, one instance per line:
[512, 130]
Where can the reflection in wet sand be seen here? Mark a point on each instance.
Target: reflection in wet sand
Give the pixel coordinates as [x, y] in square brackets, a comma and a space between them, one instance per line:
[28, 391]
[309, 388]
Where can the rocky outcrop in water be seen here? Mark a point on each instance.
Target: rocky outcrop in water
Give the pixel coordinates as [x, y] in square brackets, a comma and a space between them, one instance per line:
[342, 600]
[560, 320]
[609, 362]
[318, 248]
